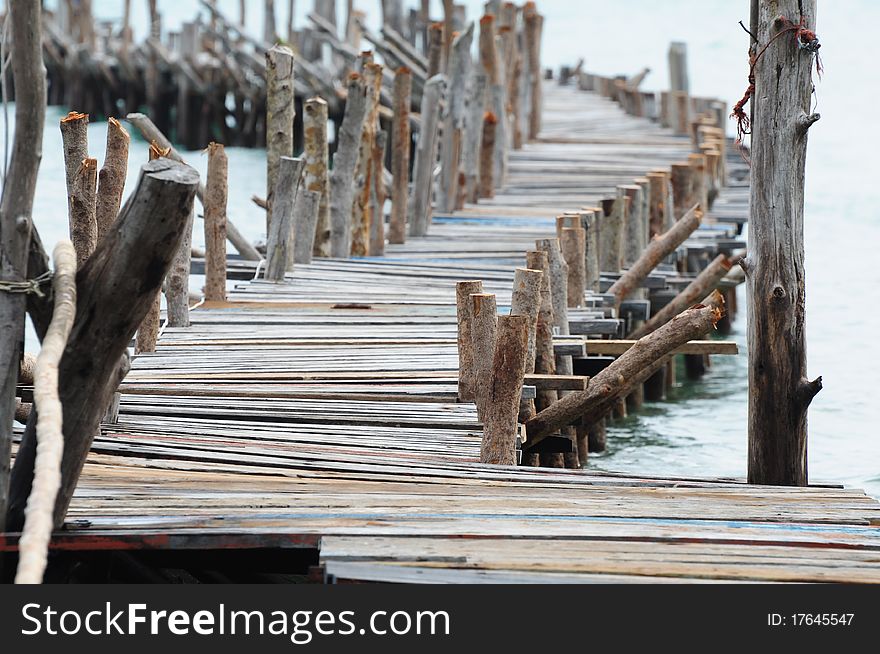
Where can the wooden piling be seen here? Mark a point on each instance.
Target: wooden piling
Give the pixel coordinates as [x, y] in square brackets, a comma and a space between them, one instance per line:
[316, 153]
[484, 325]
[361, 218]
[111, 179]
[473, 137]
[573, 244]
[463, 307]
[779, 390]
[454, 119]
[344, 165]
[83, 225]
[526, 301]
[177, 282]
[683, 196]
[400, 154]
[279, 247]
[502, 404]
[557, 271]
[533, 29]
[305, 220]
[611, 235]
[216, 192]
[487, 160]
[280, 112]
[423, 172]
[377, 196]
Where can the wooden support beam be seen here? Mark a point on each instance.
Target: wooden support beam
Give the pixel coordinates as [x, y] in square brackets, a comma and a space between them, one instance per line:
[280, 112]
[616, 347]
[659, 249]
[420, 208]
[316, 153]
[612, 382]
[279, 247]
[484, 331]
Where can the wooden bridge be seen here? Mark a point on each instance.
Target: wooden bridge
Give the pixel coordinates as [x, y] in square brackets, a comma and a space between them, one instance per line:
[318, 417]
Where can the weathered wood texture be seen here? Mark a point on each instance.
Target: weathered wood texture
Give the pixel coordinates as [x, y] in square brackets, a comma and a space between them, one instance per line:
[24, 20]
[216, 193]
[114, 289]
[400, 154]
[609, 384]
[502, 402]
[280, 112]
[779, 391]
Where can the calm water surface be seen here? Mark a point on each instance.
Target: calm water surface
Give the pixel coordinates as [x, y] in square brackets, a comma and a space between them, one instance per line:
[703, 431]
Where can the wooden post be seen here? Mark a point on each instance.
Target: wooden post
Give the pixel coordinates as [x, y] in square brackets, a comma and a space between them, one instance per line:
[400, 150]
[114, 289]
[279, 247]
[423, 173]
[611, 230]
[463, 306]
[305, 220]
[280, 112]
[779, 392]
[473, 136]
[216, 191]
[635, 230]
[497, 101]
[344, 164]
[659, 191]
[377, 196]
[533, 26]
[316, 153]
[454, 119]
[659, 249]
[590, 222]
[24, 20]
[392, 14]
[361, 218]
[111, 179]
[683, 196]
[615, 380]
[573, 243]
[487, 160]
[678, 72]
[435, 50]
[505, 391]
[484, 325]
[526, 301]
[557, 270]
[270, 32]
[83, 225]
[177, 283]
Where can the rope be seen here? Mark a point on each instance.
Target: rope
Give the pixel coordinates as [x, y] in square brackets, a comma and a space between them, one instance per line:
[34, 542]
[259, 269]
[804, 38]
[27, 286]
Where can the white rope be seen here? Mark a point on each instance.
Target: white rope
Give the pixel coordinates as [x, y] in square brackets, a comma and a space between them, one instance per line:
[34, 543]
[259, 268]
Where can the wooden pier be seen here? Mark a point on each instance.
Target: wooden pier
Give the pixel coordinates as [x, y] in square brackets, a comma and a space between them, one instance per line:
[318, 417]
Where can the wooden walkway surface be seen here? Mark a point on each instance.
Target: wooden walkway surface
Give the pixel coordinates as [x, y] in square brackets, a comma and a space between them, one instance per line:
[321, 413]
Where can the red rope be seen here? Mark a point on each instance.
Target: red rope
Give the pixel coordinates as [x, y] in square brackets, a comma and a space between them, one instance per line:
[805, 39]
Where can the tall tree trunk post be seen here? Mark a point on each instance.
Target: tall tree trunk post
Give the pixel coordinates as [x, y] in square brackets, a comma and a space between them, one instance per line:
[16, 206]
[779, 392]
[463, 307]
